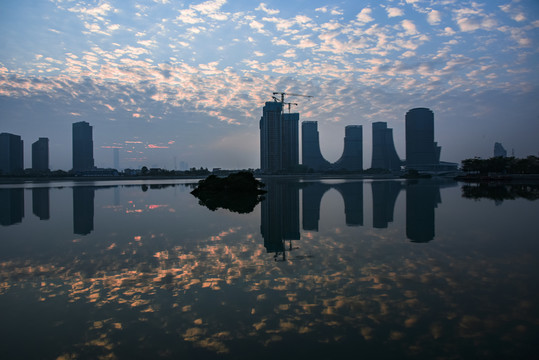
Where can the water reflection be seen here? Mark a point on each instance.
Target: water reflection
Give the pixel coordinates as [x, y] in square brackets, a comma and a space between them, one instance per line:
[280, 217]
[384, 196]
[500, 192]
[11, 206]
[191, 283]
[83, 209]
[41, 203]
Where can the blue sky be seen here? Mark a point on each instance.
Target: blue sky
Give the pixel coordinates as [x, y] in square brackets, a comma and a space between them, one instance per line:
[170, 81]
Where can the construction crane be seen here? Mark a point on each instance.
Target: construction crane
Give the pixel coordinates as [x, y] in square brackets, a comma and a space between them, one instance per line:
[284, 103]
[289, 94]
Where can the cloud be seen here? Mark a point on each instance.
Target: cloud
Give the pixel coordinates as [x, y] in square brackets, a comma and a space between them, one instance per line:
[364, 16]
[98, 11]
[394, 12]
[257, 26]
[263, 7]
[409, 27]
[434, 17]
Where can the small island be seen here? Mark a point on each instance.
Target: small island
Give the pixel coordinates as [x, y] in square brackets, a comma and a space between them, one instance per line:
[239, 192]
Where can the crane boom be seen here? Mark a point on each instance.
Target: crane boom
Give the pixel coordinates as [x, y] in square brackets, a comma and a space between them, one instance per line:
[290, 94]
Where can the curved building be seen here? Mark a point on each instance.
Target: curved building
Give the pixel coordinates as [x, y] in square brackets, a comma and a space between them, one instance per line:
[421, 150]
[352, 156]
[384, 155]
[310, 147]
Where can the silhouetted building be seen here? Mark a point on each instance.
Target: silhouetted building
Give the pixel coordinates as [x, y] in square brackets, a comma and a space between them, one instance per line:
[279, 143]
[310, 147]
[499, 150]
[384, 155]
[11, 154]
[40, 155]
[290, 141]
[116, 159]
[11, 206]
[40, 203]
[83, 147]
[83, 209]
[384, 196]
[352, 156]
[421, 150]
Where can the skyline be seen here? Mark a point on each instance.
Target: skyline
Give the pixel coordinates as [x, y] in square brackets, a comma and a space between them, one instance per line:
[188, 81]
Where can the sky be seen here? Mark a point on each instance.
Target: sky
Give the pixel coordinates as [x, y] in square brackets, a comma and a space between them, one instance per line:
[169, 81]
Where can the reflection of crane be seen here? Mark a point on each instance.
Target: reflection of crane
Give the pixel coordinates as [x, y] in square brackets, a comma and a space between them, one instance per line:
[285, 103]
[289, 94]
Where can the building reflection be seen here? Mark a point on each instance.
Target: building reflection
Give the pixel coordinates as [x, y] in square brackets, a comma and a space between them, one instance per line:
[280, 210]
[422, 197]
[351, 192]
[41, 203]
[11, 206]
[280, 217]
[83, 209]
[384, 196]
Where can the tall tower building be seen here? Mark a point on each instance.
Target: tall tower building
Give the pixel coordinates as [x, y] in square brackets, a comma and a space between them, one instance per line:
[290, 141]
[384, 155]
[11, 153]
[40, 155]
[499, 150]
[311, 156]
[116, 158]
[279, 139]
[352, 156]
[83, 147]
[421, 150]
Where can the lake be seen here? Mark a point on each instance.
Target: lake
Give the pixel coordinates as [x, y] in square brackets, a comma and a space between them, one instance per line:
[318, 269]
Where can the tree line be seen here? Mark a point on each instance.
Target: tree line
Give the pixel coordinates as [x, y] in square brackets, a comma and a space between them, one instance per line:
[502, 165]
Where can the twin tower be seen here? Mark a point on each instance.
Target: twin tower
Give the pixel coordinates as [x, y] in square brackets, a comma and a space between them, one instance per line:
[279, 144]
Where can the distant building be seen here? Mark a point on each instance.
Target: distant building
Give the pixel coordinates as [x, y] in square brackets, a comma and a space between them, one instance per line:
[290, 141]
[384, 155]
[311, 156]
[40, 155]
[83, 147]
[499, 150]
[116, 158]
[11, 154]
[279, 139]
[421, 150]
[352, 156]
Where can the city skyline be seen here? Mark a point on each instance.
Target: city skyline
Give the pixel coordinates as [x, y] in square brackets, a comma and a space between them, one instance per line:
[167, 82]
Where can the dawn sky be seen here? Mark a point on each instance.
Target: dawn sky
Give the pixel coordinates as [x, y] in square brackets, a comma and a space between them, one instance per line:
[169, 81]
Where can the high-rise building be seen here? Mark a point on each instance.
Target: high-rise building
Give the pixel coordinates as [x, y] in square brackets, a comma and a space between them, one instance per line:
[311, 156]
[116, 158]
[352, 155]
[290, 141]
[499, 150]
[421, 150]
[40, 155]
[279, 143]
[83, 147]
[11, 154]
[384, 155]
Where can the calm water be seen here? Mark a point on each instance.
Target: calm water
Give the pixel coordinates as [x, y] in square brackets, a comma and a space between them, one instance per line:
[332, 269]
